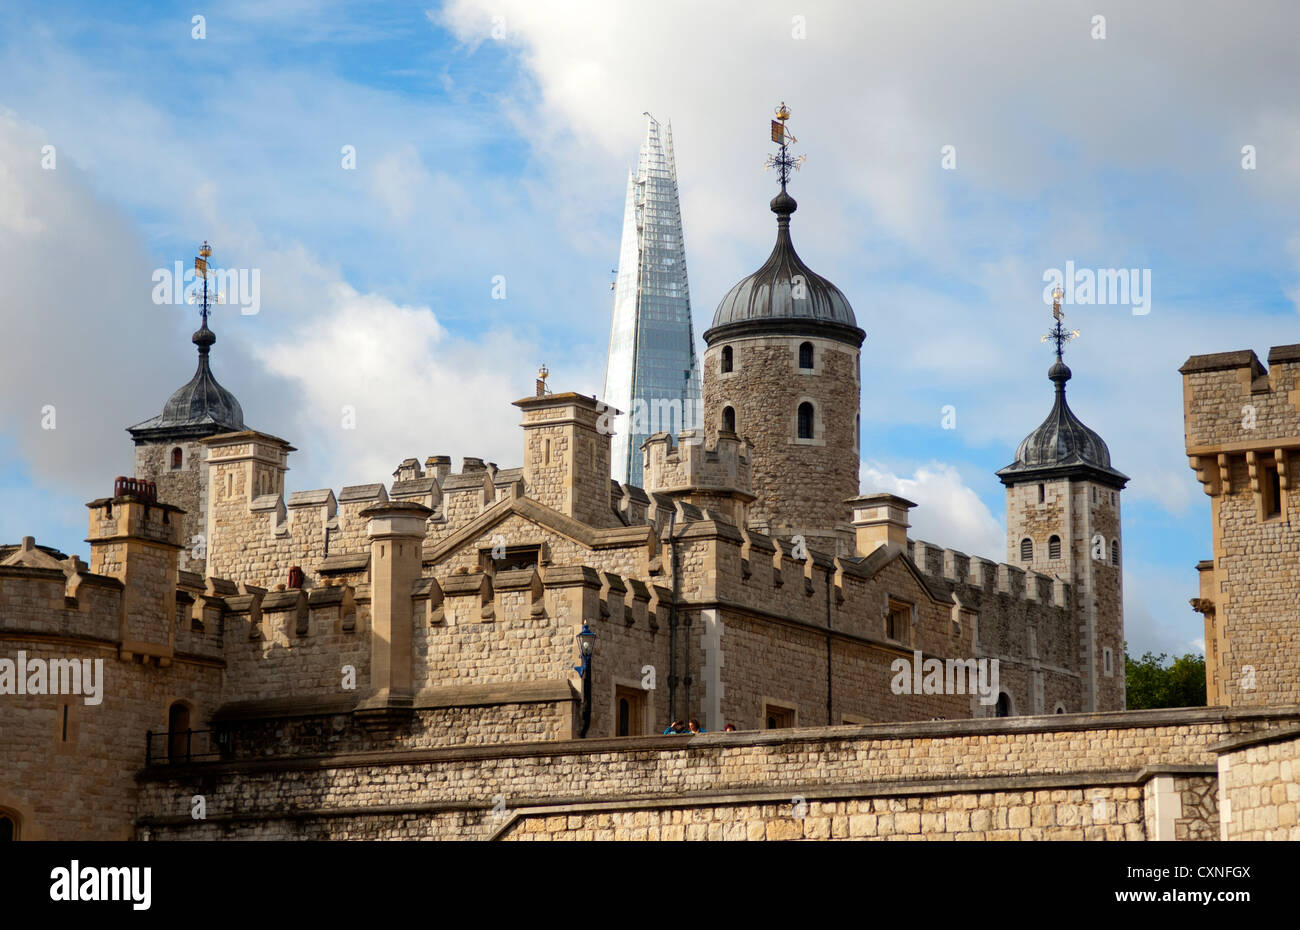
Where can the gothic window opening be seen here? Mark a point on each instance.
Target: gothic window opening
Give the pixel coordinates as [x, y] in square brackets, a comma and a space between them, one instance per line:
[729, 418]
[1054, 547]
[1026, 550]
[806, 355]
[726, 359]
[805, 420]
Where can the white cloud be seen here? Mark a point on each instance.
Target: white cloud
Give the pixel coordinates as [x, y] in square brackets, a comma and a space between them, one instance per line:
[948, 513]
[414, 390]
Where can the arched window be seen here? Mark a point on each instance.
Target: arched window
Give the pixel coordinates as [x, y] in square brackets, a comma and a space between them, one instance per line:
[178, 722]
[726, 358]
[805, 420]
[806, 355]
[176, 458]
[729, 418]
[1054, 547]
[1026, 550]
[8, 826]
[1060, 708]
[1114, 552]
[1004, 705]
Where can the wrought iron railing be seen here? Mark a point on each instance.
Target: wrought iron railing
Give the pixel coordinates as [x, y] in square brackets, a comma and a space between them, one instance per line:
[180, 747]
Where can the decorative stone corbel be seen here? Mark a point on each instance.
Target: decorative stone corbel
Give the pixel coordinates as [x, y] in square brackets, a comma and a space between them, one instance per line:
[435, 613]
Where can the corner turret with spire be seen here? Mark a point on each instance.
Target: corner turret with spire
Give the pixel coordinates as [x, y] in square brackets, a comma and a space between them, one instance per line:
[167, 449]
[1063, 519]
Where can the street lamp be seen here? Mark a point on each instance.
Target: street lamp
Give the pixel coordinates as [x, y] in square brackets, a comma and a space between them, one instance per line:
[586, 647]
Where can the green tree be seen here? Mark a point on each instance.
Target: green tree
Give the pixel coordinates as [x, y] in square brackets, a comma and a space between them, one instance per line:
[1152, 681]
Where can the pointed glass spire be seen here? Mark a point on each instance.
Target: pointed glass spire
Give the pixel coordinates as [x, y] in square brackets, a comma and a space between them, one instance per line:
[651, 374]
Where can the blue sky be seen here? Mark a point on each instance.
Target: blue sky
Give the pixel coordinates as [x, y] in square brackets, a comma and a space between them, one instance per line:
[493, 139]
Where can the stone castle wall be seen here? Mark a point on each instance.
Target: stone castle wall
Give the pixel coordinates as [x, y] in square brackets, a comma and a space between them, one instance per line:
[69, 767]
[1259, 787]
[984, 778]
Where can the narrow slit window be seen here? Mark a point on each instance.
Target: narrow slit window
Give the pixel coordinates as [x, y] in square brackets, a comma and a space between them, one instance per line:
[805, 420]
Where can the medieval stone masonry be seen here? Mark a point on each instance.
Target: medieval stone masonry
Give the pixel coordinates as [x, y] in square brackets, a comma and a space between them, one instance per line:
[400, 660]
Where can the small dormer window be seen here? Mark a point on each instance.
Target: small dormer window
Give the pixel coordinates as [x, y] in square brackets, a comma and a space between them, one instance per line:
[726, 359]
[806, 355]
[177, 458]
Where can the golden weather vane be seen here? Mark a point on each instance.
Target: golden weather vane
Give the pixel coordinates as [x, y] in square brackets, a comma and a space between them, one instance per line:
[783, 161]
[201, 271]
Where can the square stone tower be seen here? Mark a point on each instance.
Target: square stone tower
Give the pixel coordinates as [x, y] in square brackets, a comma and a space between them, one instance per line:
[169, 450]
[1242, 424]
[1063, 519]
[566, 454]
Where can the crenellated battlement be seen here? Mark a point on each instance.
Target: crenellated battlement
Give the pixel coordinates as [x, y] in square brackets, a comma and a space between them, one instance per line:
[964, 571]
[719, 478]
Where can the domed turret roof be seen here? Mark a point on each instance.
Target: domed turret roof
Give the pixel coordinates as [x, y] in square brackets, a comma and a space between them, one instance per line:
[1062, 445]
[201, 407]
[768, 298]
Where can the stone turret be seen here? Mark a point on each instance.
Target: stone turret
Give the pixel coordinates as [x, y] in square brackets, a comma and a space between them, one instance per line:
[566, 455]
[135, 539]
[782, 370]
[718, 478]
[168, 449]
[1063, 518]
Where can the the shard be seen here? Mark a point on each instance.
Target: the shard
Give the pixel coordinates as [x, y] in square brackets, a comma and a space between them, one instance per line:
[651, 374]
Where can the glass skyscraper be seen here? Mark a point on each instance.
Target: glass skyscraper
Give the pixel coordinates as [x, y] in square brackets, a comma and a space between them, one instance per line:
[651, 374]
